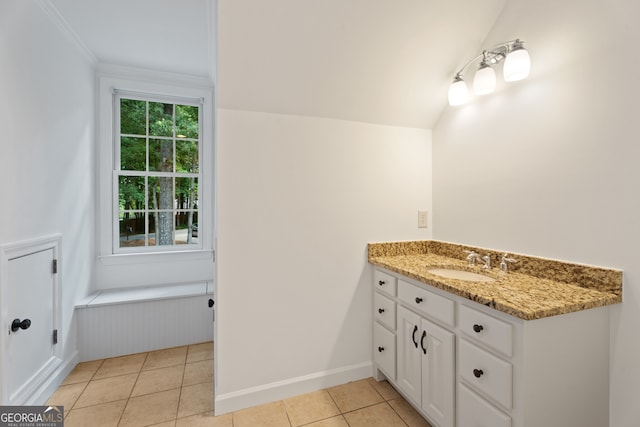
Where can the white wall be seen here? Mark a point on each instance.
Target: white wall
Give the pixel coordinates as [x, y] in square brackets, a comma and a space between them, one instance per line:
[549, 166]
[46, 148]
[298, 200]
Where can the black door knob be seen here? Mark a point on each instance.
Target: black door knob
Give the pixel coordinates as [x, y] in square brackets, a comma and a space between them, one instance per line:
[477, 373]
[211, 302]
[381, 282]
[17, 324]
[381, 310]
[477, 328]
[418, 300]
[380, 349]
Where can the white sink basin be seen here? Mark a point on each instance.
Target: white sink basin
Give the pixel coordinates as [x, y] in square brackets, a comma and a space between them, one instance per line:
[469, 276]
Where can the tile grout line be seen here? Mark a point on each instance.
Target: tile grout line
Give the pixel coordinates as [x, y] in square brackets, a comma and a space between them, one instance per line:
[133, 388]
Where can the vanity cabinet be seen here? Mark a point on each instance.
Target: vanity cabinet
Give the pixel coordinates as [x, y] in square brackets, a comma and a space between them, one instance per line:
[426, 365]
[463, 364]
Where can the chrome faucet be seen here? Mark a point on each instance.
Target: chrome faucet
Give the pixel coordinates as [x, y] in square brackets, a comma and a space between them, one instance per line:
[504, 263]
[472, 257]
[487, 262]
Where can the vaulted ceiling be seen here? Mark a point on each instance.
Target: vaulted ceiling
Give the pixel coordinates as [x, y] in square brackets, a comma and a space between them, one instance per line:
[376, 61]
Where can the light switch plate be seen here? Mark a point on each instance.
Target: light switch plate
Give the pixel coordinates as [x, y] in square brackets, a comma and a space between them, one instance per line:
[422, 219]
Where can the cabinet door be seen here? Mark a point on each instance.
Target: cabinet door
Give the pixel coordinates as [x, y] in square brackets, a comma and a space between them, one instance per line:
[438, 373]
[384, 350]
[474, 411]
[409, 376]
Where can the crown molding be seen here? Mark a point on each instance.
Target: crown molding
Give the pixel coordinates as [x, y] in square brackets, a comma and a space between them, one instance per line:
[58, 20]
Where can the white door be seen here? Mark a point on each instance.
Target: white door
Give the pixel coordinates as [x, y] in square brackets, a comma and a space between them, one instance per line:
[438, 373]
[409, 377]
[28, 321]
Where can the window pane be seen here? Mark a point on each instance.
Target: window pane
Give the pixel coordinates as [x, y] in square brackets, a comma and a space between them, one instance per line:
[187, 121]
[186, 193]
[133, 117]
[187, 156]
[162, 231]
[160, 119]
[186, 227]
[132, 229]
[131, 193]
[161, 195]
[161, 155]
[133, 154]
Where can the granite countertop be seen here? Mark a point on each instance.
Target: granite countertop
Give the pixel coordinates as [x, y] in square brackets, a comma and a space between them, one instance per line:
[533, 288]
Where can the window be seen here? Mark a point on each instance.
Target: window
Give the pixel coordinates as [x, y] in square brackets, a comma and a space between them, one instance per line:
[155, 180]
[156, 174]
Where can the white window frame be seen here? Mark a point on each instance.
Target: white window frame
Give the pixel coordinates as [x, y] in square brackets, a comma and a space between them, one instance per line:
[153, 87]
[117, 172]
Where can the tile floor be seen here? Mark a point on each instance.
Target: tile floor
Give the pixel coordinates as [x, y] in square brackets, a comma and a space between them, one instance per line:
[174, 388]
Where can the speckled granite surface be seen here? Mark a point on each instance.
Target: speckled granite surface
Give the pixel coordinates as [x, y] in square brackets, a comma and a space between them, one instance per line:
[532, 289]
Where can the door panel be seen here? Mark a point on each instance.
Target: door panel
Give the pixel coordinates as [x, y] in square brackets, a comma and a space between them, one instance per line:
[29, 293]
[409, 377]
[438, 373]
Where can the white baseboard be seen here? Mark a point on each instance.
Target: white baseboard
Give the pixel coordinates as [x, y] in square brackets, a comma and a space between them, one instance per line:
[51, 384]
[241, 399]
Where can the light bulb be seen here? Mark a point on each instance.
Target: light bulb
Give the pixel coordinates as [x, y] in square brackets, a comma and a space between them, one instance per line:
[458, 93]
[484, 81]
[517, 65]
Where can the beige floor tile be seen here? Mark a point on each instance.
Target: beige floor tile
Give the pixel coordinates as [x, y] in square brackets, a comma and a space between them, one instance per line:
[380, 415]
[407, 413]
[83, 372]
[120, 366]
[310, 407]
[206, 420]
[151, 409]
[196, 399]
[66, 395]
[163, 358]
[338, 421]
[158, 380]
[198, 372]
[268, 415]
[106, 390]
[202, 351]
[103, 415]
[171, 423]
[385, 389]
[354, 395]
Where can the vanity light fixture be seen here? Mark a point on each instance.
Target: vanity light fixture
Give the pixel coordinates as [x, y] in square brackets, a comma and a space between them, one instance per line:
[517, 64]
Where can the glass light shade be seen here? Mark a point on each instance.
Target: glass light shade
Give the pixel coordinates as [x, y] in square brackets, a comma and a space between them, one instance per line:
[484, 81]
[458, 93]
[517, 65]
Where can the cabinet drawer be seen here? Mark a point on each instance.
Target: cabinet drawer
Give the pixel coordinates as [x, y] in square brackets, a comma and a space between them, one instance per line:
[427, 302]
[384, 282]
[486, 372]
[486, 329]
[474, 411]
[384, 350]
[384, 310]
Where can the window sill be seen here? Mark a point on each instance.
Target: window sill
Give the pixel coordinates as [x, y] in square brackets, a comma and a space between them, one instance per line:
[156, 257]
